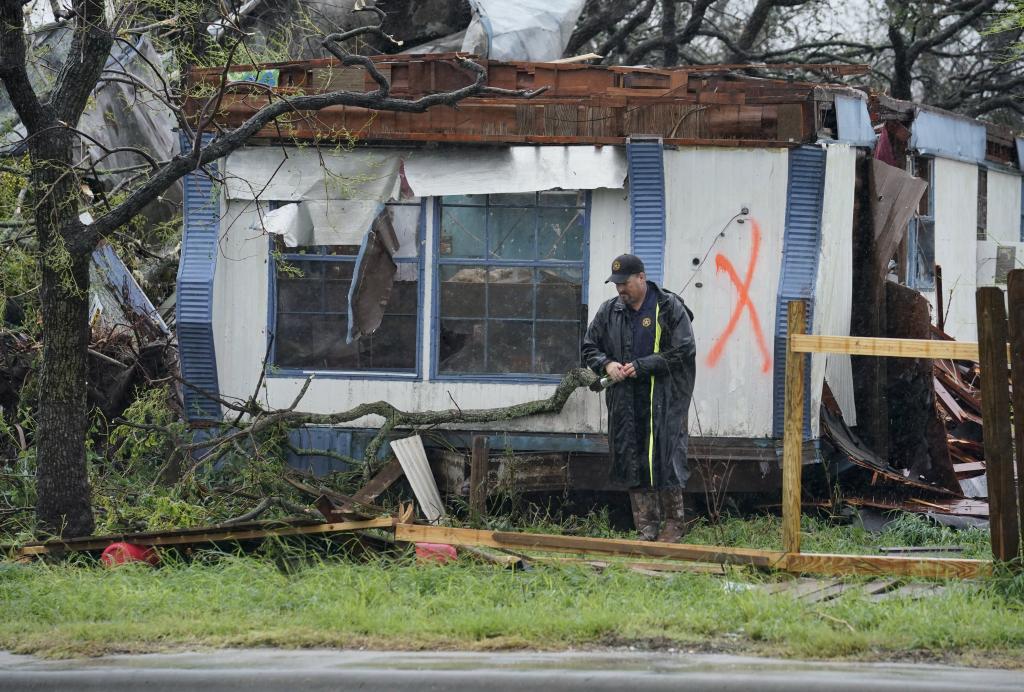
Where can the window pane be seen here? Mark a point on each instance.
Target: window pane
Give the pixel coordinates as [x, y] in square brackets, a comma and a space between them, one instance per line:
[925, 255]
[337, 281]
[299, 286]
[561, 234]
[512, 232]
[405, 296]
[461, 346]
[558, 347]
[312, 342]
[462, 231]
[561, 198]
[510, 292]
[517, 199]
[406, 222]
[465, 199]
[509, 346]
[559, 294]
[393, 345]
[462, 291]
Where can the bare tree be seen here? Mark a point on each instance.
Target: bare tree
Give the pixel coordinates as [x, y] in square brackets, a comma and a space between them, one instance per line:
[940, 52]
[65, 243]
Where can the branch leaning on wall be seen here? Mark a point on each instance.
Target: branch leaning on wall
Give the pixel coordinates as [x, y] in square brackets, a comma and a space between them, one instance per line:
[256, 424]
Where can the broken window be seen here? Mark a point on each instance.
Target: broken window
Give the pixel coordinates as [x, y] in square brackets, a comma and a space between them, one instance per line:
[510, 281]
[921, 234]
[311, 324]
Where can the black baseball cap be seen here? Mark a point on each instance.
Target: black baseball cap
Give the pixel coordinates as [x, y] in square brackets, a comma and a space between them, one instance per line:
[623, 267]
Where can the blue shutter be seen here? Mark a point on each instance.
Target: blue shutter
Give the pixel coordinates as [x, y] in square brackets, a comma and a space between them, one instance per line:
[195, 296]
[647, 203]
[800, 252]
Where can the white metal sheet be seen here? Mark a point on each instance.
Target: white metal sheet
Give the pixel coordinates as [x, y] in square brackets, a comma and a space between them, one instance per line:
[956, 223]
[833, 291]
[492, 170]
[714, 262]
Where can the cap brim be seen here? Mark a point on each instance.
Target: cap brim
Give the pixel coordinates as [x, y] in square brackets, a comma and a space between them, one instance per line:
[617, 279]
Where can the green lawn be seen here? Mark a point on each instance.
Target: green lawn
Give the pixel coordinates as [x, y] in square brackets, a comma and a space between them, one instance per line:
[77, 608]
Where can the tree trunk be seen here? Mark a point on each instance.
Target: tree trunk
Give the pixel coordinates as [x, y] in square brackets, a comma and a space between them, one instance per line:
[63, 503]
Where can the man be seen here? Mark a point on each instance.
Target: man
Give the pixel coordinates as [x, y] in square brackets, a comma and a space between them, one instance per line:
[642, 341]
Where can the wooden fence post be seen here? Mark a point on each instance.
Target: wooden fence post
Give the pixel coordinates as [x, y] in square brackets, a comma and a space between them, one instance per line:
[793, 431]
[995, 410]
[478, 477]
[1015, 298]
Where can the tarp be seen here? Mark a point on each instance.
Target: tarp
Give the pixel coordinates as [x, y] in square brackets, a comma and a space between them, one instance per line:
[531, 30]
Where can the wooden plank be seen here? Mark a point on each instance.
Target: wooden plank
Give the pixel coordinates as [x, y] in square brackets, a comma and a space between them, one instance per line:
[995, 412]
[478, 467]
[936, 567]
[793, 430]
[580, 545]
[948, 402]
[1015, 299]
[211, 536]
[384, 479]
[878, 346]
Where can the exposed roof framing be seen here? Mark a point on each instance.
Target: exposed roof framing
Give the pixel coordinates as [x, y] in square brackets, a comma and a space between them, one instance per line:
[583, 104]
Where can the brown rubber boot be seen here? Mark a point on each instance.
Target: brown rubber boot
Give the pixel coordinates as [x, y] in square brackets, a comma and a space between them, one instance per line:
[673, 511]
[645, 513]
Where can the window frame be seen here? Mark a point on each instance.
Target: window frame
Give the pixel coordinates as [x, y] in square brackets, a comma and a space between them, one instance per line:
[273, 370]
[435, 302]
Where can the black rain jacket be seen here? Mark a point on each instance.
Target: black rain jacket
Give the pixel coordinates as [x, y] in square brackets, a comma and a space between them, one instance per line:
[610, 338]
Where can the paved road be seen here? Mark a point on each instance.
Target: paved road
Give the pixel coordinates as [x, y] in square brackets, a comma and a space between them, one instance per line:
[256, 670]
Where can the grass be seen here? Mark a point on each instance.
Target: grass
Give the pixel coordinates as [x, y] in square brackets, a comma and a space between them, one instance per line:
[78, 608]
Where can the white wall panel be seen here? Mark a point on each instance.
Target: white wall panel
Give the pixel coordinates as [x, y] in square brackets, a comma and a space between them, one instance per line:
[956, 233]
[833, 294]
[240, 298]
[705, 189]
[1003, 207]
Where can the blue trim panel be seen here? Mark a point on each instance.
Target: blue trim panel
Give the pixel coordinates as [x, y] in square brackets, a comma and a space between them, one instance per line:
[645, 157]
[194, 307]
[800, 252]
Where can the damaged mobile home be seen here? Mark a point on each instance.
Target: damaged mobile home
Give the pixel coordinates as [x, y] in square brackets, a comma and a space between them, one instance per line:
[452, 259]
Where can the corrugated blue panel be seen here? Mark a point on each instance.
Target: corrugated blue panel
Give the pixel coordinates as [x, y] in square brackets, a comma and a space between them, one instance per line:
[647, 203]
[948, 136]
[194, 302]
[337, 440]
[800, 252]
[1020, 153]
[853, 121]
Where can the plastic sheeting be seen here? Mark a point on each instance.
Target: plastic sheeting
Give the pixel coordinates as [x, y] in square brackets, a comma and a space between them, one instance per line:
[493, 170]
[532, 30]
[321, 222]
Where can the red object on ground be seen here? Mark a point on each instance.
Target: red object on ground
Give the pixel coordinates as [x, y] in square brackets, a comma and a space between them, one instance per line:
[435, 552]
[120, 553]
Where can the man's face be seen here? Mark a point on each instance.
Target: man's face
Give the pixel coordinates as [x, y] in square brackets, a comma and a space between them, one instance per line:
[632, 291]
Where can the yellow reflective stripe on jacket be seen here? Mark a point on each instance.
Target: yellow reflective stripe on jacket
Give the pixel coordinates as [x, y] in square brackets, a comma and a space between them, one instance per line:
[650, 426]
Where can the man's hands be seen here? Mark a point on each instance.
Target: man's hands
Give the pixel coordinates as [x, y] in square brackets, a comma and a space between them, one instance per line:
[618, 372]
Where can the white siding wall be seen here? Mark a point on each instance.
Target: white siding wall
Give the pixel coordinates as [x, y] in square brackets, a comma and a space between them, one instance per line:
[1003, 225]
[956, 233]
[705, 189]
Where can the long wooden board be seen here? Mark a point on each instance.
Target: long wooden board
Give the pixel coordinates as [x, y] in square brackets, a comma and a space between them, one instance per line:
[797, 563]
[211, 536]
[793, 429]
[576, 544]
[876, 346]
[936, 567]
